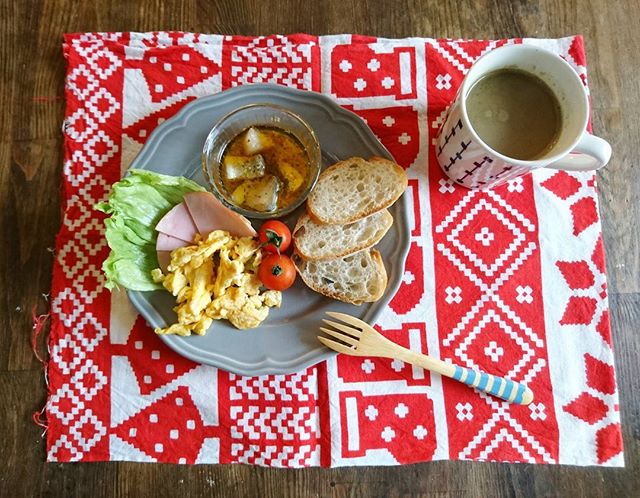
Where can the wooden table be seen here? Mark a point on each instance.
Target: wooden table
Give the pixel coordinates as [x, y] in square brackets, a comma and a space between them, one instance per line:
[32, 103]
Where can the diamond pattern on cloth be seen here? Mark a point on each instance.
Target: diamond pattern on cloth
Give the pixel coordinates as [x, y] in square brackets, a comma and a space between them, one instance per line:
[510, 280]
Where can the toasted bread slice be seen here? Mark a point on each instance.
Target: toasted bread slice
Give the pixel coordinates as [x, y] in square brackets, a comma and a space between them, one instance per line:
[319, 241]
[356, 279]
[355, 188]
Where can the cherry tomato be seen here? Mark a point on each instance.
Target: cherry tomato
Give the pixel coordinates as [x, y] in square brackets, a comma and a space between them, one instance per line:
[275, 236]
[277, 272]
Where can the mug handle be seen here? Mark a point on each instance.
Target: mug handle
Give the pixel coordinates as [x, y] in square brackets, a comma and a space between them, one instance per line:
[590, 153]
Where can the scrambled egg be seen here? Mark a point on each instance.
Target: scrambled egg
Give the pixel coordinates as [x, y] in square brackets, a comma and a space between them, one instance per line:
[216, 279]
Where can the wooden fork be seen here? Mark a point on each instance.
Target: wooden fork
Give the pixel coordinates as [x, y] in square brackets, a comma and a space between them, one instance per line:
[359, 339]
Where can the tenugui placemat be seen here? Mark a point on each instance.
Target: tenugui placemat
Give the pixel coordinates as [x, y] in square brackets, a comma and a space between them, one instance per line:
[510, 280]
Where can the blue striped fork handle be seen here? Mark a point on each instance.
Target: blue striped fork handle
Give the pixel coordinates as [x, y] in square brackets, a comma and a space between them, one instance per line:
[497, 386]
[502, 388]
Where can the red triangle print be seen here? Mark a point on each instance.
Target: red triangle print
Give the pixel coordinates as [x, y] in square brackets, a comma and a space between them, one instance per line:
[153, 363]
[173, 69]
[173, 427]
[140, 130]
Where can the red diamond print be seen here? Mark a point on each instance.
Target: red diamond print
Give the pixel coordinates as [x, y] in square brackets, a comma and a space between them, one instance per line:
[579, 311]
[98, 192]
[493, 333]
[67, 353]
[79, 126]
[609, 442]
[603, 328]
[90, 331]
[487, 236]
[584, 213]
[91, 281]
[93, 236]
[88, 381]
[89, 430]
[562, 184]
[587, 407]
[598, 256]
[66, 404]
[71, 258]
[75, 210]
[577, 274]
[66, 452]
[600, 375]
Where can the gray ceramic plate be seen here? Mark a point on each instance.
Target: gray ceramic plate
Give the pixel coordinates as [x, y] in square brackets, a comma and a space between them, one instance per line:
[286, 340]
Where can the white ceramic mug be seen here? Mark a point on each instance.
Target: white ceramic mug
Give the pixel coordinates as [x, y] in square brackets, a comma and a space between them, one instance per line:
[470, 162]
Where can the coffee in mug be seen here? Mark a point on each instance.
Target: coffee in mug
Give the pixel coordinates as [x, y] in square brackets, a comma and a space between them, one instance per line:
[515, 113]
[519, 108]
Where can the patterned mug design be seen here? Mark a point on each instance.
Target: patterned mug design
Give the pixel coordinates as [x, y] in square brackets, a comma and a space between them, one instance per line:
[466, 162]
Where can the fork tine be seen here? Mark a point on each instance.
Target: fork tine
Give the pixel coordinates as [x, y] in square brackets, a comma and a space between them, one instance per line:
[344, 328]
[343, 337]
[336, 346]
[351, 320]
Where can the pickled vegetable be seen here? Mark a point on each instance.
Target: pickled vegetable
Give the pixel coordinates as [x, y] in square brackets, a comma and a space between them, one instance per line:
[255, 141]
[243, 168]
[260, 194]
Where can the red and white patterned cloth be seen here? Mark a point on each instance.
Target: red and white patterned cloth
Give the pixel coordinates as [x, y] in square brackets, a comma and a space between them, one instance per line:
[510, 280]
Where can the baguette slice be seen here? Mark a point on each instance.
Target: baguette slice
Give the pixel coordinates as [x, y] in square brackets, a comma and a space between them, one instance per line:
[356, 279]
[355, 188]
[317, 241]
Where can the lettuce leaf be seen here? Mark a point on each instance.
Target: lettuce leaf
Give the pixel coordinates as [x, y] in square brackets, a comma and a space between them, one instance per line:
[135, 205]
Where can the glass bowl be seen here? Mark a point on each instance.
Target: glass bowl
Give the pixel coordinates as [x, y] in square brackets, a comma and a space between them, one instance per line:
[234, 123]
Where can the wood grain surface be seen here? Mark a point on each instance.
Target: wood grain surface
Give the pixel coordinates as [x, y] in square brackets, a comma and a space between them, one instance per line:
[32, 104]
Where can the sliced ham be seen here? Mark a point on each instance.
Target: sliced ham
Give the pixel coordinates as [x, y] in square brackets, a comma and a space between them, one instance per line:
[164, 258]
[168, 243]
[210, 214]
[164, 246]
[178, 223]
